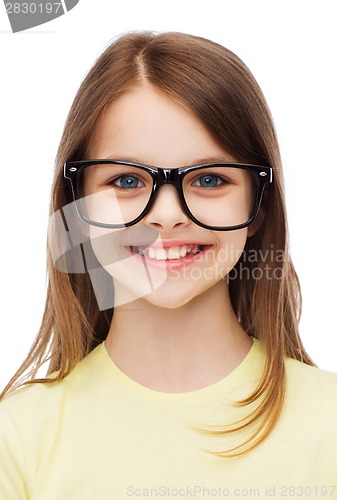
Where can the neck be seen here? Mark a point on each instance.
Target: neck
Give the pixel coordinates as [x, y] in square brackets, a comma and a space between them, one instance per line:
[181, 349]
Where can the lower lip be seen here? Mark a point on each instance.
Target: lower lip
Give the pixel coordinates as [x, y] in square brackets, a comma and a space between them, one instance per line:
[170, 264]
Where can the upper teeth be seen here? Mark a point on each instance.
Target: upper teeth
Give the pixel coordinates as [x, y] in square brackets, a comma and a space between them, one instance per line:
[170, 253]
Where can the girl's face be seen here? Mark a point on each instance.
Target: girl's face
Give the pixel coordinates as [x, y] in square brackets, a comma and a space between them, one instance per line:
[181, 259]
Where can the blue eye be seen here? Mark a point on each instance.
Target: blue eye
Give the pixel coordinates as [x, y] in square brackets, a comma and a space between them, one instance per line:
[128, 182]
[208, 181]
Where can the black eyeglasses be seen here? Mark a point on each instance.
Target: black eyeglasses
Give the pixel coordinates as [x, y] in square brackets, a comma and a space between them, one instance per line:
[217, 196]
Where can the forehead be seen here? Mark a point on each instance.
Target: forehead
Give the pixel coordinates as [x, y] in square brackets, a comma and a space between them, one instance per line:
[148, 127]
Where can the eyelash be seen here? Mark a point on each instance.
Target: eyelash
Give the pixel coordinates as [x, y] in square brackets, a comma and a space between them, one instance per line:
[114, 181]
[218, 177]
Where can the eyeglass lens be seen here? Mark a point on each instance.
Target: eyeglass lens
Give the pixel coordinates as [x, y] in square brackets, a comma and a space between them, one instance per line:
[218, 196]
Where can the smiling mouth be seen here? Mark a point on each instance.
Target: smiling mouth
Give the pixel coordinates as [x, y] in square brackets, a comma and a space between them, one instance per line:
[172, 253]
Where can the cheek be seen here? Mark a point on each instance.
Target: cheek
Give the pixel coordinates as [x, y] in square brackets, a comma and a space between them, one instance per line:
[233, 243]
[231, 246]
[106, 247]
[128, 271]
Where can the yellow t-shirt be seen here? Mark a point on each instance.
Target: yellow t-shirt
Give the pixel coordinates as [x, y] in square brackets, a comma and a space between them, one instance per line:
[99, 435]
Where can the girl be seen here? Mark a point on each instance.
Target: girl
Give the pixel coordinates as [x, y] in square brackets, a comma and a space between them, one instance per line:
[171, 322]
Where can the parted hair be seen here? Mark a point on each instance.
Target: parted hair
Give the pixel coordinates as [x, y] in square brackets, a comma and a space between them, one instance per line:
[218, 88]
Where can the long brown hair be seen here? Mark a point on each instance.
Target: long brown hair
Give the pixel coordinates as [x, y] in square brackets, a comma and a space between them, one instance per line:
[215, 85]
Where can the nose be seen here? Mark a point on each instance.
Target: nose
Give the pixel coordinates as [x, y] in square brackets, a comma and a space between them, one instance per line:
[167, 212]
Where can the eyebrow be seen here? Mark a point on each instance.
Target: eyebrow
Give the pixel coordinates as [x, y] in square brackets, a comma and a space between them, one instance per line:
[199, 161]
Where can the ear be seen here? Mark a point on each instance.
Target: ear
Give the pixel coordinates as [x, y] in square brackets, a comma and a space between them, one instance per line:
[257, 223]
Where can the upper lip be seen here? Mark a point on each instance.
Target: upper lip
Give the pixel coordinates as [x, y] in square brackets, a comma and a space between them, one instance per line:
[170, 244]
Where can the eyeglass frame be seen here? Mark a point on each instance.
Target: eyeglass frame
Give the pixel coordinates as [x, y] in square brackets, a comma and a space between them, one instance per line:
[161, 176]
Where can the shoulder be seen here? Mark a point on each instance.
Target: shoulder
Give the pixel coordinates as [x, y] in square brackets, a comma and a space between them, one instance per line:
[33, 418]
[313, 390]
[310, 377]
[36, 402]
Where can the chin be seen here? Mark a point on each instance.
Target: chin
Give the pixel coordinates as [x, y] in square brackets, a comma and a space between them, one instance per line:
[170, 292]
[168, 303]
[171, 297]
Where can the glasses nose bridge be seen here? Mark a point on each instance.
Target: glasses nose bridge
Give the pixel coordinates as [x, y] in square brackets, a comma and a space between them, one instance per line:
[168, 176]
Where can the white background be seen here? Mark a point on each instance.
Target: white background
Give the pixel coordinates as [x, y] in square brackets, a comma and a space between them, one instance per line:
[290, 46]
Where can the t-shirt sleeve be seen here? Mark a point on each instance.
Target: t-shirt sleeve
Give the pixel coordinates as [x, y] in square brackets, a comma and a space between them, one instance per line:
[12, 461]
